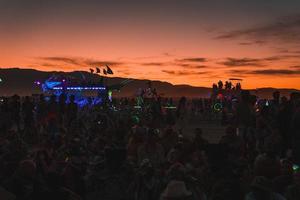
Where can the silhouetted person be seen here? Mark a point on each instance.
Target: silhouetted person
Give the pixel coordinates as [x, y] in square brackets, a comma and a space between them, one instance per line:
[276, 97]
[27, 109]
[229, 85]
[245, 113]
[72, 110]
[295, 130]
[62, 107]
[181, 107]
[238, 86]
[52, 108]
[220, 85]
[214, 90]
[15, 108]
[62, 104]
[4, 119]
[41, 110]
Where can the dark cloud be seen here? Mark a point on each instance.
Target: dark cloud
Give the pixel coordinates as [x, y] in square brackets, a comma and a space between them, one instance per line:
[83, 62]
[296, 67]
[192, 60]
[167, 54]
[238, 62]
[275, 72]
[245, 43]
[273, 58]
[48, 64]
[153, 64]
[183, 73]
[101, 63]
[255, 62]
[258, 42]
[285, 29]
[73, 61]
[288, 51]
[238, 72]
[192, 66]
[267, 72]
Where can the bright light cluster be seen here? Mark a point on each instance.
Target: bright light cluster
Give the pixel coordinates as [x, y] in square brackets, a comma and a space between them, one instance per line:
[79, 88]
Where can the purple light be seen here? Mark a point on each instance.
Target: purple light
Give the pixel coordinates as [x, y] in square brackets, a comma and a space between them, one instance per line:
[37, 82]
[63, 80]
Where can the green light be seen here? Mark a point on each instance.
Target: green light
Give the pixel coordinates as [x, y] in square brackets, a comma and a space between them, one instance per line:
[171, 107]
[135, 119]
[218, 107]
[110, 95]
[295, 168]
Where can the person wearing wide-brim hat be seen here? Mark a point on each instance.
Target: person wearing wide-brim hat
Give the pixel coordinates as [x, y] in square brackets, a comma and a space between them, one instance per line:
[176, 190]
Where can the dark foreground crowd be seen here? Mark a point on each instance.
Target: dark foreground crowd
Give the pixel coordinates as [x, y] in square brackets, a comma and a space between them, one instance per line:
[55, 150]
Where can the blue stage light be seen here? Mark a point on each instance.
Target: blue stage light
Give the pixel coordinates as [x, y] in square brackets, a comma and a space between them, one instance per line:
[51, 84]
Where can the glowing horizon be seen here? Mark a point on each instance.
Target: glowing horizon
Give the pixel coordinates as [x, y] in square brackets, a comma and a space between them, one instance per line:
[195, 43]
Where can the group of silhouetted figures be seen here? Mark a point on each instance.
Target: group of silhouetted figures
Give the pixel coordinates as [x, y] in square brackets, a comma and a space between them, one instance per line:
[227, 86]
[52, 149]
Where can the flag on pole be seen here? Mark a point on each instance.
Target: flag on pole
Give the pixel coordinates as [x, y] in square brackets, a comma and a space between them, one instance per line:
[98, 70]
[108, 70]
[104, 72]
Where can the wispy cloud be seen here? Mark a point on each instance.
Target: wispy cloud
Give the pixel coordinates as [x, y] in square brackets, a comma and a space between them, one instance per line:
[284, 51]
[238, 62]
[285, 29]
[295, 67]
[192, 59]
[276, 72]
[267, 72]
[192, 66]
[153, 64]
[254, 62]
[67, 60]
[75, 61]
[258, 42]
[183, 73]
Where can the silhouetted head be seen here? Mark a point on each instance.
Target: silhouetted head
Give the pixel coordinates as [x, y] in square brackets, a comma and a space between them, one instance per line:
[27, 99]
[42, 97]
[276, 95]
[16, 97]
[284, 99]
[72, 98]
[62, 98]
[53, 98]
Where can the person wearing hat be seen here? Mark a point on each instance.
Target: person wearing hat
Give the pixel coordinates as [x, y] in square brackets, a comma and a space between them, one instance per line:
[176, 190]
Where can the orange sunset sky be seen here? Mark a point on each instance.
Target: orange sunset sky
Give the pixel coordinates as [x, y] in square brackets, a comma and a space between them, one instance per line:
[193, 42]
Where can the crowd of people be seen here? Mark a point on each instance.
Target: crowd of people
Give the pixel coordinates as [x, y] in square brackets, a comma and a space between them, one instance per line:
[116, 151]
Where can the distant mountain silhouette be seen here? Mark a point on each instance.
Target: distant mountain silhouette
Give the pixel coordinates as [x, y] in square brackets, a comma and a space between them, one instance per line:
[21, 81]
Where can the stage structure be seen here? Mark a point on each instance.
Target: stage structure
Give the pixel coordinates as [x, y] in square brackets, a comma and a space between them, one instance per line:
[85, 91]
